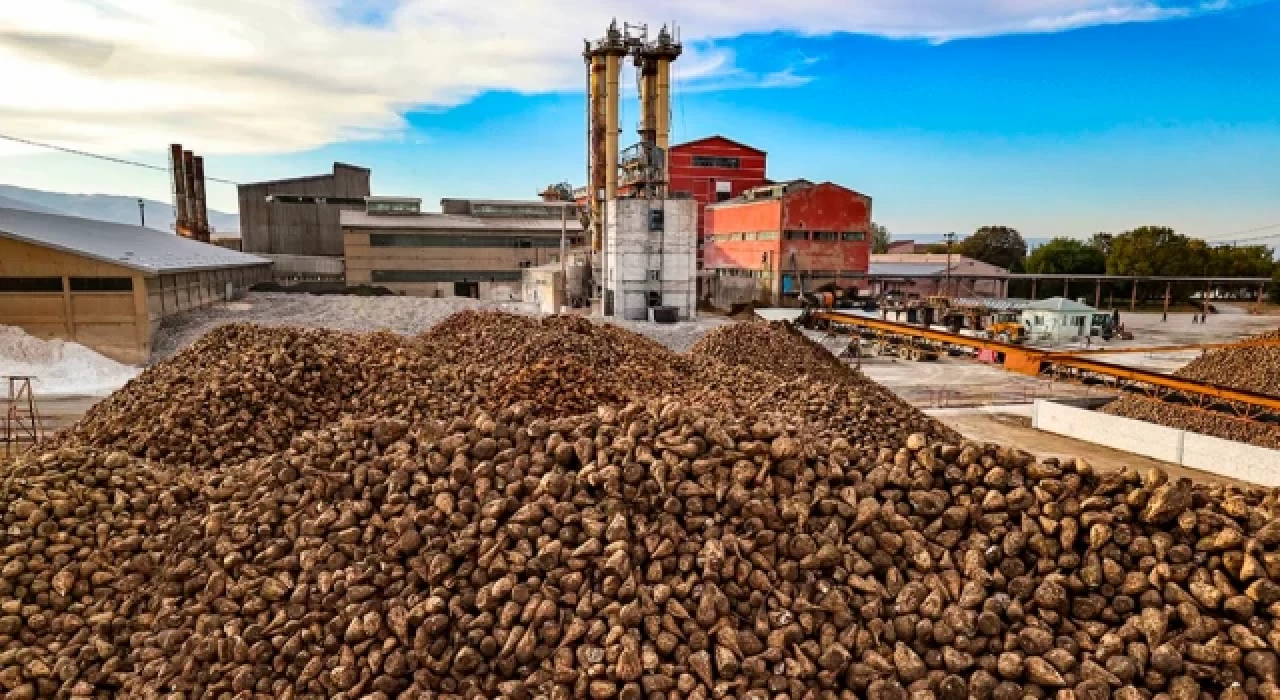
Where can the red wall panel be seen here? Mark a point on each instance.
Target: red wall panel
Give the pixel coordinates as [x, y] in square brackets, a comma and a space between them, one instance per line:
[700, 182]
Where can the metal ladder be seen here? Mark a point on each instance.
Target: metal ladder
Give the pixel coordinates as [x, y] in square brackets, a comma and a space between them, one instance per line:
[22, 417]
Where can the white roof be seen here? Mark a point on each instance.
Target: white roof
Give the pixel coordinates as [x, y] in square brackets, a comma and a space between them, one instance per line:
[455, 222]
[135, 247]
[1058, 304]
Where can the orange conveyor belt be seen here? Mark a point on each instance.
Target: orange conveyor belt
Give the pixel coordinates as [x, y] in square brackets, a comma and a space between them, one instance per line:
[1033, 361]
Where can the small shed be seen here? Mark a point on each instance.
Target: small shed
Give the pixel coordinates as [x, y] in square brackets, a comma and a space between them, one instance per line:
[107, 286]
[543, 286]
[1060, 320]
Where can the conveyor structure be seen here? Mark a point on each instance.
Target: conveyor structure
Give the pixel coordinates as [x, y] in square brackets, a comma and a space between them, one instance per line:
[1070, 365]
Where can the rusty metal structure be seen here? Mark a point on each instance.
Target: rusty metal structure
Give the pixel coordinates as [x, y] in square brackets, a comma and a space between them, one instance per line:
[22, 423]
[190, 209]
[642, 169]
[1076, 366]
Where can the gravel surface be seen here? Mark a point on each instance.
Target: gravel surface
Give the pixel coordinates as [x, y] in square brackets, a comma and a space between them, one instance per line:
[406, 315]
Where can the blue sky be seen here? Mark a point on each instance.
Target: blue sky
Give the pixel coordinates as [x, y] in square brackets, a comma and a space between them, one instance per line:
[1171, 121]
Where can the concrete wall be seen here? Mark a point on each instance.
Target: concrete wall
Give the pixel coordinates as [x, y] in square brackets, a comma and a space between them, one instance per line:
[635, 255]
[1235, 460]
[307, 228]
[305, 267]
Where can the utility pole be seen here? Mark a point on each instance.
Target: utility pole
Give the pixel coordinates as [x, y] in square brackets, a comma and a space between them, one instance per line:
[142, 211]
[950, 238]
[564, 270]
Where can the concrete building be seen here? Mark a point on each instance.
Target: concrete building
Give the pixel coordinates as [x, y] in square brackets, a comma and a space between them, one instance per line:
[300, 216]
[925, 274]
[473, 248]
[649, 257]
[107, 286]
[779, 238]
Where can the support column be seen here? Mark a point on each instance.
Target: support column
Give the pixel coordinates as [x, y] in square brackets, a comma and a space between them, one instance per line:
[1033, 288]
[1133, 295]
[67, 310]
[1097, 295]
[1168, 292]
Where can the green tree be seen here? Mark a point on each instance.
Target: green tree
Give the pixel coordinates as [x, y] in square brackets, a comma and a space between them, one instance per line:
[1063, 256]
[995, 245]
[1241, 261]
[1159, 251]
[880, 238]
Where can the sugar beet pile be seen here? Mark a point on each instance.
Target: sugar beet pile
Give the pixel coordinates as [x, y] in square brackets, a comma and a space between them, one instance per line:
[1252, 368]
[554, 509]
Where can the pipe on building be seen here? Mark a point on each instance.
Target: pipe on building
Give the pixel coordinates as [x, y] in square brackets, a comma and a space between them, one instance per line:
[598, 101]
[662, 112]
[613, 70]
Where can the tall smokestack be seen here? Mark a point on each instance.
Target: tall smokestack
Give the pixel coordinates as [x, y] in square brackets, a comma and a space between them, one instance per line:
[181, 223]
[201, 216]
[189, 176]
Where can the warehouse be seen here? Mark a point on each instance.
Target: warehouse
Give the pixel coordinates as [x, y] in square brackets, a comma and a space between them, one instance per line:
[107, 286]
[785, 237]
[473, 248]
[295, 222]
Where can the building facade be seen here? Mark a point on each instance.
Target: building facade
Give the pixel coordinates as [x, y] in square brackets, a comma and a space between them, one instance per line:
[301, 215]
[107, 286]
[473, 248]
[791, 235]
[650, 254]
[711, 170]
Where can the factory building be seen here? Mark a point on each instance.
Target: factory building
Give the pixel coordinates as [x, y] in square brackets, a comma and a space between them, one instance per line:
[773, 240]
[472, 248]
[300, 217]
[711, 170]
[107, 286]
[928, 274]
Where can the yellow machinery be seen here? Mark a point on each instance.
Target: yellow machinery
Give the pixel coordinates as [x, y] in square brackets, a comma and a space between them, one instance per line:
[1007, 327]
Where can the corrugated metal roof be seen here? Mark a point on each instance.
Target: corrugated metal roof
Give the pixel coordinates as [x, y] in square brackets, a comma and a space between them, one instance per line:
[1058, 304]
[994, 304]
[895, 269]
[455, 222]
[135, 247]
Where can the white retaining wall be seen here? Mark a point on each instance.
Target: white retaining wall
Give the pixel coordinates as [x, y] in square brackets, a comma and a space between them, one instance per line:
[1236, 460]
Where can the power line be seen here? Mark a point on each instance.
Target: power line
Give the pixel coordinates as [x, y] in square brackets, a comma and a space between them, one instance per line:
[110, 159]
[1232, 236]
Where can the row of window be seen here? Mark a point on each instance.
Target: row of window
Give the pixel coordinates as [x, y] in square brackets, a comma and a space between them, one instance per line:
[392, 276]
[54, 284]
[847, 236]
[524, 211]
[825, 236]
[739, 272]
[716, 162]
[756, 236]
[427, 240]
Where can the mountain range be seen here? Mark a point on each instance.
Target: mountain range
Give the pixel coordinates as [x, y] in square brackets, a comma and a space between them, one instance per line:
[107, 207]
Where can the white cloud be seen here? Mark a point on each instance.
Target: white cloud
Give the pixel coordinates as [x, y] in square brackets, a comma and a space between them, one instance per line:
[248, 76]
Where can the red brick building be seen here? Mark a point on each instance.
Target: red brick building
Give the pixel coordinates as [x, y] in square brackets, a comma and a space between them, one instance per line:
[780, 235]
[713, 169]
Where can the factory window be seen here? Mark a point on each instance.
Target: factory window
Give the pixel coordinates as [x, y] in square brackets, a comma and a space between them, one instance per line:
[855, 236]
[405, 276]
[452, 240]
[657, 219]
[409, 207]
[797, 235]
[524, 243]
[655, 275]
[30, 284]
[716, 162]
[101, 284]
[767, 236]
[825, 236]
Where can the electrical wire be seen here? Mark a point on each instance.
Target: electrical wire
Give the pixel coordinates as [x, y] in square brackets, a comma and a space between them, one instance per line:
[110, 159]
[1233, 235]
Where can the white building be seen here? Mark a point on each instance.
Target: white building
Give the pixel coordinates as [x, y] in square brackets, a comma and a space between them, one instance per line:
[1060, 320]
[650, 257]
